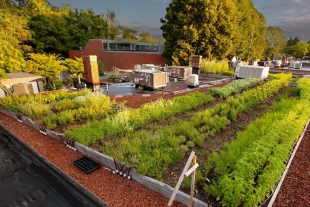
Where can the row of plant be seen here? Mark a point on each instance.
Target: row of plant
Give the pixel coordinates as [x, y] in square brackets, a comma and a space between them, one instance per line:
[130, 119]
[247, 170]
[38, 104]
[154, 150]
[91, 106]
[234, 87]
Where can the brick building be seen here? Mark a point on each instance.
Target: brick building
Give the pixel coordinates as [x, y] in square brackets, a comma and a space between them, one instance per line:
[121, 54]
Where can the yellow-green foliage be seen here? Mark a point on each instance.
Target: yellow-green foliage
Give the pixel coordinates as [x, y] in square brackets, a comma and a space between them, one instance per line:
[35, 109]
[214, 66]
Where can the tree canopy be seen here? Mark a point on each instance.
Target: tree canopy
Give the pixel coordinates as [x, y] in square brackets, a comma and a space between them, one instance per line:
[275, 41]
[213, 29]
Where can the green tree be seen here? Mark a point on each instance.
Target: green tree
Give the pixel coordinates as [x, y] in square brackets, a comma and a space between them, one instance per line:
[292, 42]
[248, 41]
[147, 37]
[49, 35]
[298, 50]
[75, 66]
[13, 33]
[67, 30]
[209, 28]
[113, 25]
[275, 41]
[48, 66]
[129, 35]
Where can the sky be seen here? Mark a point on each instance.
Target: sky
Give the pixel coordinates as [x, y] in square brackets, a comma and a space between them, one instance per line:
[292, 16]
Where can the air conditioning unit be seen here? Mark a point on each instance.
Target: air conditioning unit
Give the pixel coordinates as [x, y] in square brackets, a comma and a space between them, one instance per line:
[149, 78]
[23, 88]
[179, 71]
[193, 81]
[126, 75]
[248, 71]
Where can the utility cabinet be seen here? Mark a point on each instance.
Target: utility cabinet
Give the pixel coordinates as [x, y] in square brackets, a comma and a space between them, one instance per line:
[149, 78]
[23, 88]
[248, 71]
[179, 71]
[126, 75]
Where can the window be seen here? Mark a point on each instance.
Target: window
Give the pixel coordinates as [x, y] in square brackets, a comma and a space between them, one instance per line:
[126, 46]
[105, 46]
[112, 46]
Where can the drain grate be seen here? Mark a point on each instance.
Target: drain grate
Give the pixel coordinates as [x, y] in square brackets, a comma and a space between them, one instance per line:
[86, 164]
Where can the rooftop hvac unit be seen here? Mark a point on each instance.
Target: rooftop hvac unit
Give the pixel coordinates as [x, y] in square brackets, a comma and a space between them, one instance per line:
[296, 65]
[247, 71]
[126, 75]
[23, 88]
[148, 66]
[149, 78]
[179, 71]
[193, 81]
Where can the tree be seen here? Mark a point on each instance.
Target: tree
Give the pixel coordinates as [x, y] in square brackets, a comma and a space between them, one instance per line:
[75, 66]
[48, 66]
[13, 33]
[292, 42]
[129, 35]
[275, 41]
[49, 35]
[212, 29]
[59, 33]
[113, 25]
[147, 37]
[298, 50]
[249, 42]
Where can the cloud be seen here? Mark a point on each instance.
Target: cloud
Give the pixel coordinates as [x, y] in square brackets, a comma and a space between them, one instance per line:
[292, 16]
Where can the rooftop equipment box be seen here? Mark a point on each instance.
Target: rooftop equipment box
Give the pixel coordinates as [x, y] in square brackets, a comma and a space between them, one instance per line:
[23, 88]
[126, 75]
[149, 78]
[248, 71]
[179, 71]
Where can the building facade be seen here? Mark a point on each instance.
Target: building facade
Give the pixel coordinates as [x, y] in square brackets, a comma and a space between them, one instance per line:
[121, 54]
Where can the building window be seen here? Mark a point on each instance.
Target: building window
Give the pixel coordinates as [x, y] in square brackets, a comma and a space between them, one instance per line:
[155, 48]
[112, 46]
[105, 46]
[127, 47]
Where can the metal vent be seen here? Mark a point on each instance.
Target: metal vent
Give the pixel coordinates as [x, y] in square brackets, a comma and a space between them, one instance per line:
[86, 164]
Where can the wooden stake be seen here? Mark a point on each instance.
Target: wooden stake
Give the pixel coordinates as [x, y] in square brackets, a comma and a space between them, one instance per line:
[191, 203]
[181, 178]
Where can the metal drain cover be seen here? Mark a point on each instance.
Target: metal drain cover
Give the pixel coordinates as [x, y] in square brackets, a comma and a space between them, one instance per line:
[86, 164]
